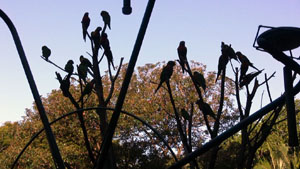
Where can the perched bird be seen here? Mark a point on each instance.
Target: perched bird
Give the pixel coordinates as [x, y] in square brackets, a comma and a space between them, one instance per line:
[95, 35]
[109, 57]
[106, 18]
[64, 84]
[46, 52]
[87, 90]
[85, 61]
[104, 42]
[249, 77]
[85, 24]
[228, 51]
[185, 114]
[245, 63]
[199, 79]
[277, 40]
[223, 60]
[82, 71]
[166, 74]
[182, 51]
[69, 67]
[206, 109]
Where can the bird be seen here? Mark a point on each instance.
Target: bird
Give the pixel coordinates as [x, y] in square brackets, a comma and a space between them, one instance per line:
[249, 77]
[166, 74]
[96, 37]
[106, 18]
[245, 63]
[87, 90]
[182, 51]
[64, 84]
[223, 60]
[228, 51]
[104, 43]
[46, 52]
[206, 109]
[109, 57]
[82, 71]
[199, 79]
[185, 114]
[69, 67]
[85, 61]
[85, 24]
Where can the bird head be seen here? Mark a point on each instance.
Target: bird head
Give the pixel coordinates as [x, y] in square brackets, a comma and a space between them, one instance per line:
[182, 43]
[171, 63]
[98, 29]
[44, 47]
[86, 14]
[70, 62]
[81, 58]
[103, 13]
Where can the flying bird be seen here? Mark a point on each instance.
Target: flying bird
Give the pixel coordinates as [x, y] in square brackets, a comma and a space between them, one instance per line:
[223, 60]
[248, 78]
[87, 90]
[245, 63]
[166, 74]
[64, 84]
[182, 51]
[46, 52]
[106, 18]
[200, 80]
[69, 67]
[85, 24]
[228, 51]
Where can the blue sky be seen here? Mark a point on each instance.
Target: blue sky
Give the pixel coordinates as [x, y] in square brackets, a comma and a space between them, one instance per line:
[202, 24]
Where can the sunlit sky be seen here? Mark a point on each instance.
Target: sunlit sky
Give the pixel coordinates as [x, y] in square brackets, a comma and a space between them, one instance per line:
[202, 24]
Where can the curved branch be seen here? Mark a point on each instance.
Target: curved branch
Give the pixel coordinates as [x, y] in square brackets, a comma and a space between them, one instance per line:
[95, 108]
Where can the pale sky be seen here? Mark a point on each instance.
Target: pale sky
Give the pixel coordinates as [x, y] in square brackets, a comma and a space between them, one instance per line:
[202, 24]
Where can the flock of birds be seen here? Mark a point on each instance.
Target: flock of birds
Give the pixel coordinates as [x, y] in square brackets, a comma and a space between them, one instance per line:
[277, 39]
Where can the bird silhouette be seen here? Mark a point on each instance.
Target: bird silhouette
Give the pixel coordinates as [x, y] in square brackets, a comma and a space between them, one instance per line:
[206, 109]
[185, 114]
[85, 22]
[228, 51]
[96, 37]
[182, 51]
[106, 18]
[85, 61]
[69, 67]
[104, 42]
[46, 52]
[223, 60]
[245, 63]
[82, 70]
[87, 90]
[200, 80]
[166, 74]
[249, 77]
[64, 84]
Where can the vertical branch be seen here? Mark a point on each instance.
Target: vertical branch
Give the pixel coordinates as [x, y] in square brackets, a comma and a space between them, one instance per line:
[115, 117]
[290, 107]
[58, 161]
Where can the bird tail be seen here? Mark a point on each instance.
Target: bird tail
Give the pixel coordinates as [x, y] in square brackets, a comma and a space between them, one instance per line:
[159, 85]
